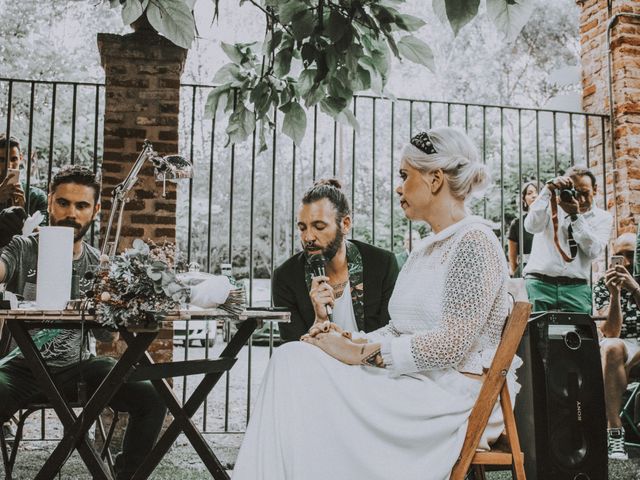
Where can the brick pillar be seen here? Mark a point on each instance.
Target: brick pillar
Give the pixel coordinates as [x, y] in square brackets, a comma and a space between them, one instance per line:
[142, 81]
[623, 175]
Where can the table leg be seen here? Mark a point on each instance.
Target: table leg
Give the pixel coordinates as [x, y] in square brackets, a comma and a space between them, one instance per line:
[99, 400]
[182, 415]
[65, 414]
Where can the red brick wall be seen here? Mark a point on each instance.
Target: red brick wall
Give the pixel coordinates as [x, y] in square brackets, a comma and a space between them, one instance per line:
[142, 102]
[623, 179]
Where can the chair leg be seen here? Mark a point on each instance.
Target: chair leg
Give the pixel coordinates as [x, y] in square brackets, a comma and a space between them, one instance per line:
[5, 456]
[105, 454]
[478, 472]
[512, 433]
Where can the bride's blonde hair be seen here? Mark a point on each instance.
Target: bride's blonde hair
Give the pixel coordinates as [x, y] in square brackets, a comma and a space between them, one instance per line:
[456, 155]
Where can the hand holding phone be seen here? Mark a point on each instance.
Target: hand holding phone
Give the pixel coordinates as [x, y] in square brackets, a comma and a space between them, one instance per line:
[13, 176]
[617, 260]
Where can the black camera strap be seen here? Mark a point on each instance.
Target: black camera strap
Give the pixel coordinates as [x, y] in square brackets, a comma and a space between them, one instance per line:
[554, 218]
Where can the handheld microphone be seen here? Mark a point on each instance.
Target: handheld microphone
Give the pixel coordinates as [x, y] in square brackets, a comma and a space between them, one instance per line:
[317, 263]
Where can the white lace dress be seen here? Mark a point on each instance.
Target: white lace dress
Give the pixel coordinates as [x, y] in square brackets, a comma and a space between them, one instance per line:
[316, 418]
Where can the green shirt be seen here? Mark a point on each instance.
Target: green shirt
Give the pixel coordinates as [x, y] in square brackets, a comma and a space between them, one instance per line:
[37, 201]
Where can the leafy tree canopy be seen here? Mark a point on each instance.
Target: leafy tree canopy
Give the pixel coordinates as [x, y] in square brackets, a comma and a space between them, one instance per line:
[315, 52]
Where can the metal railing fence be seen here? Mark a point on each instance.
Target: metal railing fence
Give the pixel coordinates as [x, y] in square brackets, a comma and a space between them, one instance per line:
[240, 207]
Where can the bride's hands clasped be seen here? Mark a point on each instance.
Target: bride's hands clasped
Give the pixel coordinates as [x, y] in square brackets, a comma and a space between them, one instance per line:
[337, 343]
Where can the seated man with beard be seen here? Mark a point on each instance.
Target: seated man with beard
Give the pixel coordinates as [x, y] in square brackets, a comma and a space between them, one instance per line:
[73, 202]
[362, 276]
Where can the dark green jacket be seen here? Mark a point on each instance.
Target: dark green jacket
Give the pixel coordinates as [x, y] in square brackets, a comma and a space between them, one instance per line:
[372, 276]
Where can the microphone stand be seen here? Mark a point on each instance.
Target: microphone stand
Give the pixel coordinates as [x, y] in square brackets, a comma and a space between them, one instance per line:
[175, 166]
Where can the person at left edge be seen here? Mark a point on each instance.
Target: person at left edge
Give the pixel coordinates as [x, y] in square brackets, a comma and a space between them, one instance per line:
[74, 202]
[15, 194]
[362, 276]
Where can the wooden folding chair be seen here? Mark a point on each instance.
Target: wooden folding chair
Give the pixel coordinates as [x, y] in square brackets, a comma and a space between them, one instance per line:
[506, 451]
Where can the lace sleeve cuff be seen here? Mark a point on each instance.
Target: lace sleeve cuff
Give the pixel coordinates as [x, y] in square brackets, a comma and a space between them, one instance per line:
[397, 355]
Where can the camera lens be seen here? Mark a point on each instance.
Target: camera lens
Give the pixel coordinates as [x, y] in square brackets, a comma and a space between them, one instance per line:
[567, 194]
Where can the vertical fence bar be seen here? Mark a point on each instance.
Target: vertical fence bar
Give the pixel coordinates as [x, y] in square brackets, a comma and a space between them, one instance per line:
[273, 194]
[353, 170]
[571, 138]
[210, 194]
[519, 190]
[96, 122]
[587, 146]
[373, 173]
[502, 241]
[538, 148]
[29, 146]
[190, 213]
[9, 113]
[293, 199]
[52, 132]
[393, 174]
[555, 145]
[74, 108]
[430, 107]
[466, 118]
[315, 141]
[335, 142]
[604, 172]
[252, 189]
[484, 154]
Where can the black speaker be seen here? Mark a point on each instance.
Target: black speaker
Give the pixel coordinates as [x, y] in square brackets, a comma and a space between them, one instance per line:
[560, 410]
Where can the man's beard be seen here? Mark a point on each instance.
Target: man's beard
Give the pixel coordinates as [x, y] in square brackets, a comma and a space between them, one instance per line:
[330, 250]
[79, 230]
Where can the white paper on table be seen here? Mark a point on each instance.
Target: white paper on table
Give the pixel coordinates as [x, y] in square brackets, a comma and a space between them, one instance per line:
[55, 260]
[31, 223]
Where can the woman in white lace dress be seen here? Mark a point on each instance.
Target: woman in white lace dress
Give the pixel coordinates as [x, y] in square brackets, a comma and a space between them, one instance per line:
[394, 403]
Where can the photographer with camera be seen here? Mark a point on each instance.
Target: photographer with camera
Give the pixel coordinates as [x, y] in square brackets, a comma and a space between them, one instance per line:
[566, 240]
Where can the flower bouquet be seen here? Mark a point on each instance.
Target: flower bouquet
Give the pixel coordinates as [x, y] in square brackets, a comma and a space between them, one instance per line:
[137, 288]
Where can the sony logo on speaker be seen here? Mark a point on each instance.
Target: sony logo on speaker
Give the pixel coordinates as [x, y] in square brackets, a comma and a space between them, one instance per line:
[579, 410]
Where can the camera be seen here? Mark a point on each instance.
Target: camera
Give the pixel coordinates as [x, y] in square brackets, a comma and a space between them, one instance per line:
[568, 194]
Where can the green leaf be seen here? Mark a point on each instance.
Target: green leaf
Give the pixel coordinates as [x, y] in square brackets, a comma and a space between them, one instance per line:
[286, 11]
[303, 24]
[228, 73]
[242, 123]
[346, 117]
[333, 105]
[415, 50]
[215, 102]
[305, 81]
[510, 17]
[233, 52]
[295, 122]
[456, 13]
[336, 26]
[409, 22]
[273, 41]
[174, 20]
[132, 10]
[314, 95]
[282, 62]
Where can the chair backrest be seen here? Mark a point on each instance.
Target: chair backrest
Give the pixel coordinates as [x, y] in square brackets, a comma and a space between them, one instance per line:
[493, 383]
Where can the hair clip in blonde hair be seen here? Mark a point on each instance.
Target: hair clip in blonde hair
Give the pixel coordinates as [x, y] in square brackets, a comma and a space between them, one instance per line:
[424, 143]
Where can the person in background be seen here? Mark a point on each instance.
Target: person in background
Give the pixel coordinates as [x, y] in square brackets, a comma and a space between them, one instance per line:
[411, 239]
[528, 196]
[580, 230]
[12, 191]
[617, 296]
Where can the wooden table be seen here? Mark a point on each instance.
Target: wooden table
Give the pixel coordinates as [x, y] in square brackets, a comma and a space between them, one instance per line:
[135, 364]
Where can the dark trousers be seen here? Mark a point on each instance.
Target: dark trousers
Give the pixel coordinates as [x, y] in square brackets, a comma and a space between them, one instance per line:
[146, 410]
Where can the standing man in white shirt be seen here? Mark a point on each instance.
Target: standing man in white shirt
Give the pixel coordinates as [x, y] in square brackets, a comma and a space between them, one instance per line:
[559, 269]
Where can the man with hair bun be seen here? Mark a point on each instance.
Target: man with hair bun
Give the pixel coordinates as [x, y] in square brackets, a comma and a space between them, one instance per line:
[565, 243]
[361, 276]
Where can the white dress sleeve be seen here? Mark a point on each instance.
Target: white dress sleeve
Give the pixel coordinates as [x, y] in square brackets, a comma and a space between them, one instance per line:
[475, 277]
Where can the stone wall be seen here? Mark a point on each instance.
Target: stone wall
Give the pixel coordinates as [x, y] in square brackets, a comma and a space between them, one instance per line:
[623, 174]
